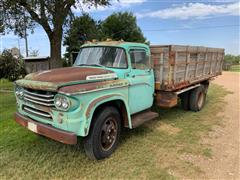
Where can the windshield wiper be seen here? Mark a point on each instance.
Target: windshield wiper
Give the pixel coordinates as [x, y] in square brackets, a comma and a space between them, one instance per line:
[83, 65]
[99, 65]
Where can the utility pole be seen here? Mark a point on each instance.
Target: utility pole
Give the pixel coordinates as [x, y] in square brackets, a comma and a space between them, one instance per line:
[25, 36]
[19, 48]
[1, 44]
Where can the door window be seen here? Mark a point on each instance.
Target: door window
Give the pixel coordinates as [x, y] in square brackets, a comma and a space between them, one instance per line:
[139, 59]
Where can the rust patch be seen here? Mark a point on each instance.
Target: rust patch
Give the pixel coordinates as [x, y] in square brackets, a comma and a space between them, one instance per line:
[124, 116]
[166, 99]
[60, 117]
[37, 85]
[48, 131]
[66, 74]
[181, 85]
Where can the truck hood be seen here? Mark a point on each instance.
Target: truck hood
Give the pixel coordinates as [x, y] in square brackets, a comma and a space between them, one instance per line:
[53, 79]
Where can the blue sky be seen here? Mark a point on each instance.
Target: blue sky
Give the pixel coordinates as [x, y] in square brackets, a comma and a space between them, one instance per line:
[212, 23]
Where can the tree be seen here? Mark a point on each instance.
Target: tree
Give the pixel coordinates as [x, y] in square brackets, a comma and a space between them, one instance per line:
[122, 26]
[52, 15]
[231, 59]
[11, 67]
[82, 29]
[117, 26]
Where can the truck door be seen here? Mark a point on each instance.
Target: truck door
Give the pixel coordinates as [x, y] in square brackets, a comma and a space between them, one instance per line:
[141, 80]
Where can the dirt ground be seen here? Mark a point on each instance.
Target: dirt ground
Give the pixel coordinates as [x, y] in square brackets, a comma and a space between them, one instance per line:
[225, 140]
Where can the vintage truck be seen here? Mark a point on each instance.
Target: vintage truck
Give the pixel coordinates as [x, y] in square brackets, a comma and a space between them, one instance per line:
[113, 84]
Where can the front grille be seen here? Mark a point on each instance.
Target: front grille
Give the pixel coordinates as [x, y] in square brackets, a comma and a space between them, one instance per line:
[44, 99]
[37, 112]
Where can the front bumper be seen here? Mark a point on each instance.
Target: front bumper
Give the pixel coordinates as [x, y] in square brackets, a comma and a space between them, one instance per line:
[47, 130]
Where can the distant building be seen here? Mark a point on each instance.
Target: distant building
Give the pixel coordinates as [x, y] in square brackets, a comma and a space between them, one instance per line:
[34, 64]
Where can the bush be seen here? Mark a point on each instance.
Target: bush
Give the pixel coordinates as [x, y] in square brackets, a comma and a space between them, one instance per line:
[231, 59]
[65, 62]
[11, 68]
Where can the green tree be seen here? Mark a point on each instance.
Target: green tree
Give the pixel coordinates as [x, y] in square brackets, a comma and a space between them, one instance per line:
[82, 29]
[122, 26]
[233, 60]
[52, 15]
[11, 67]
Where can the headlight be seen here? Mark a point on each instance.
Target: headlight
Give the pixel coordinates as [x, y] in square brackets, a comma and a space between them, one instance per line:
[62, 102]
[58, 102]
[65, 104]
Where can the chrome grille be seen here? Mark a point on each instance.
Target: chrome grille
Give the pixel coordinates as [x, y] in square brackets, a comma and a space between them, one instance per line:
[43, 99]
[34, 111]
[39, 97]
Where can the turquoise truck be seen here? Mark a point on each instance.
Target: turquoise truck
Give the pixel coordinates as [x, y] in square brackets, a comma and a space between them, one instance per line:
[113, 85]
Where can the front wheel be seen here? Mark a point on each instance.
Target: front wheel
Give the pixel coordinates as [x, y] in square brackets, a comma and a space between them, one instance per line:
[104, 134]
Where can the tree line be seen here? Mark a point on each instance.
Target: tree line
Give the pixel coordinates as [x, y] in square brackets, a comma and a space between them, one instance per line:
[118, 26]
[231, 59]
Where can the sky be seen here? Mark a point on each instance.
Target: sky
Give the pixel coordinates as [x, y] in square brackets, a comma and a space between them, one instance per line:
[212, 23]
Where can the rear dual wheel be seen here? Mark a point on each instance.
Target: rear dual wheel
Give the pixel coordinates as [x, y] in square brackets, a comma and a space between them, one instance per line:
[194, 100]
[197, 98]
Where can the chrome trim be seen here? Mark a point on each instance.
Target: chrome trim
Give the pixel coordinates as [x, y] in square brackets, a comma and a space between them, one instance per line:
[35, 112]
[186, 89]
[37, 102]
[102, 76]
[140, 83]
[36, 98]
[39, 95]
[76, 93]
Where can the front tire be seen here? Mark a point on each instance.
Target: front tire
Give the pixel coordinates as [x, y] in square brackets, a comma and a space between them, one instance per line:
[104, 134]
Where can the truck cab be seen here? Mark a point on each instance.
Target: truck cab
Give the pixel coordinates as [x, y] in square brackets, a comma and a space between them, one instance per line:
[108, 84]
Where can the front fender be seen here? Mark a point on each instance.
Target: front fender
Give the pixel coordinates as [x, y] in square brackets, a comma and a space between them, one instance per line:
[95, 103]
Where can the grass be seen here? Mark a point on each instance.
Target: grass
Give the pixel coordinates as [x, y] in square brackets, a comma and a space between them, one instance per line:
[6, 84]
[156, 150]
[235, 68]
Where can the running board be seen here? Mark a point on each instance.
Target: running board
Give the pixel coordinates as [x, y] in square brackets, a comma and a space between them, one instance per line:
[142, 117]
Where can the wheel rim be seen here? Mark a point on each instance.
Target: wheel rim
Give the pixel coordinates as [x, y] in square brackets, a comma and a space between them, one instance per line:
[108, 133]
[200, 100]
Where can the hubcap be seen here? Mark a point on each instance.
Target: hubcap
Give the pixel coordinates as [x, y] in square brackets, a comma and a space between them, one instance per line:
[108, 133]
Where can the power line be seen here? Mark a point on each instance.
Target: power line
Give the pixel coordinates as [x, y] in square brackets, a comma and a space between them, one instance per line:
[192, 28]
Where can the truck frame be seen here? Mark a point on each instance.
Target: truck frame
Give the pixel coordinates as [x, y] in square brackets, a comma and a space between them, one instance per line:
[113, 84]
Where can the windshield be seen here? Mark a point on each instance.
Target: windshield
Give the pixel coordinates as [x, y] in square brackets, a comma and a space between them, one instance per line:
[112, 57]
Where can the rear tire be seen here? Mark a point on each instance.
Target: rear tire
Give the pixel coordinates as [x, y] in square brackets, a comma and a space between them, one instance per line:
[185, 100]
[104, 134]
[197, 98]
